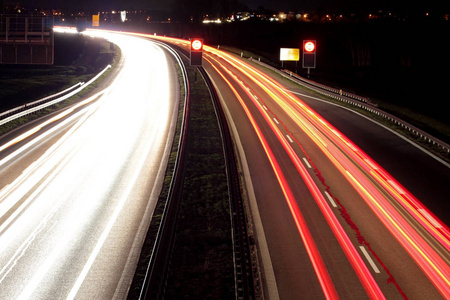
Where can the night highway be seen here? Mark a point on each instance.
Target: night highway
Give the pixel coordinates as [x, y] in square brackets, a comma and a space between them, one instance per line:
[78, 188]
[339, 206]
[330, 221]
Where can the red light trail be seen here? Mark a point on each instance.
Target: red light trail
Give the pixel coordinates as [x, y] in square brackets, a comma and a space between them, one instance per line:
[376, 187]
[429, 261]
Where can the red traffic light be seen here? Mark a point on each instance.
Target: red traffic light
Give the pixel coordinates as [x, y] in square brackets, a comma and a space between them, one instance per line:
[196, 52]
[197, 44]
[309, 46]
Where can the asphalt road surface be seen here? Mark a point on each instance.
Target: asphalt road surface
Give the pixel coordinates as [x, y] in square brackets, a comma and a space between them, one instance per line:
[78, 191]
[394, 267]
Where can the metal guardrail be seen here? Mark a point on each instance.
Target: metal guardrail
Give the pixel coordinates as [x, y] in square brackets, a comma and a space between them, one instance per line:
[37, 105]
[18, 109]
[327, 88]
[359, 102]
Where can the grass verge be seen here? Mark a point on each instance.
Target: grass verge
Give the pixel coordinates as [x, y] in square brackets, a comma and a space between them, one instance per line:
[202, 261]
[20, 84]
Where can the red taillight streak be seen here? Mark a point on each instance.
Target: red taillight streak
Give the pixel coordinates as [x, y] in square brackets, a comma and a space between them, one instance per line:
[408, 201]
[311, 248]
[396, 190]
[429, 261]
[350, 251]
[438, 278]
[441, 233]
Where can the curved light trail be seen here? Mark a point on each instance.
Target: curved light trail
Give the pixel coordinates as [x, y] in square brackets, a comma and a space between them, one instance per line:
[318, 264]
[71, 221]
[378, 189]
[430, 262]
[362, 271]
[425, 217]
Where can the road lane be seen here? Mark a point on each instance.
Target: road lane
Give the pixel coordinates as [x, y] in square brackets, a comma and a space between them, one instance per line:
[421, 291]
[405, 161]
[76, 225]
[289, 264]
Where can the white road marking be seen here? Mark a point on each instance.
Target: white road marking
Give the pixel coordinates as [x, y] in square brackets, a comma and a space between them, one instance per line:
[369, 259]
[330, 199]
[430, 218]
[396, 187]
[306, 162]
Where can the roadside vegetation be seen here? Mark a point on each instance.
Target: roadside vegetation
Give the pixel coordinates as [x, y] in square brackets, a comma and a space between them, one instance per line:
[77, 59]
[202, 260]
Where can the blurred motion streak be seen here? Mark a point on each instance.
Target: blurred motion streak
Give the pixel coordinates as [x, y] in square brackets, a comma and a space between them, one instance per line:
[314, 255]
[350, 251]
[95, 163]
[428, 260]
[359, 170]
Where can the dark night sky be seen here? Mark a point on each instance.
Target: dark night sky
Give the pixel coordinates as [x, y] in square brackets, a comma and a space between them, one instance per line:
[275, 5]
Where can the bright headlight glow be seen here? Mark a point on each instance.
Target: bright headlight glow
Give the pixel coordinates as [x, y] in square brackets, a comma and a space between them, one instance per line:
[90, 174]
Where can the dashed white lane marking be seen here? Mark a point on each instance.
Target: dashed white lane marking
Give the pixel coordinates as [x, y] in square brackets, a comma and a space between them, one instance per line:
[369, 259]
[330, 199]
[307, 162]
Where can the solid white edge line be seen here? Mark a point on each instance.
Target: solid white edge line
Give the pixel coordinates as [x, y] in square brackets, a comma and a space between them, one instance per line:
[379, 124]
[430, 218]
[267, 271]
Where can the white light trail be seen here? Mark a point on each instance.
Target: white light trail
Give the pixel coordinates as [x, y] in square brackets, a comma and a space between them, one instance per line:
[62, 209]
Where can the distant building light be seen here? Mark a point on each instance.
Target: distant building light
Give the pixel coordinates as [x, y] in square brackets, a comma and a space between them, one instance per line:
[206, 21]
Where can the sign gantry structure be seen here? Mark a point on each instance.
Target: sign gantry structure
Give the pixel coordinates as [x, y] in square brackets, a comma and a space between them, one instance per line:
[26, 39]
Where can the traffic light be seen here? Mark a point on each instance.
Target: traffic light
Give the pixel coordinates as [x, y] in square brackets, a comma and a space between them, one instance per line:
[309, 54]
[310, 47]
[196, 52]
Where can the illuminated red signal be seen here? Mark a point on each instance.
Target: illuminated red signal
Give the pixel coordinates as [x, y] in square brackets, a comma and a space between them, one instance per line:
[309, 54]
[196, 52]
[197, 45]
[310, 46]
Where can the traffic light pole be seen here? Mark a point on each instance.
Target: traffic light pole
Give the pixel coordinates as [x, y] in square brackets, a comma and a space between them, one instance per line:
[309, 55]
